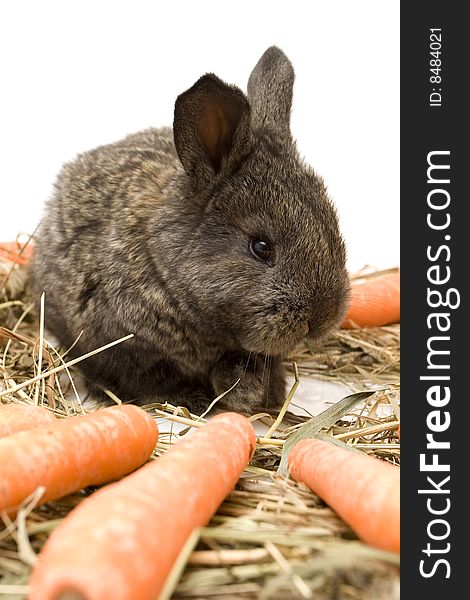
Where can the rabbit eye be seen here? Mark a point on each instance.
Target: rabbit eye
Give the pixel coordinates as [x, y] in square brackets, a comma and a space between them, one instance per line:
[262, 250]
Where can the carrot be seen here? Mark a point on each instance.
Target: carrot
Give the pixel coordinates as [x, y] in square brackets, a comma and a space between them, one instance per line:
[16, 417]
[375, 301]
[73, 453]
[363, 490]
[16, 253]
[122, 541]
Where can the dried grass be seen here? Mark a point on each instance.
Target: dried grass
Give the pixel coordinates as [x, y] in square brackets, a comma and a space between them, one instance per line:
[271, 538]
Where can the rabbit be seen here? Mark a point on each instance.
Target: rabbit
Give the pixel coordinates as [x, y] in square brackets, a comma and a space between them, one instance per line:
[212, 243]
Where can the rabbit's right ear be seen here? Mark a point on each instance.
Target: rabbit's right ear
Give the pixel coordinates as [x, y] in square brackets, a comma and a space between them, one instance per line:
[270, 89]
[212, 130]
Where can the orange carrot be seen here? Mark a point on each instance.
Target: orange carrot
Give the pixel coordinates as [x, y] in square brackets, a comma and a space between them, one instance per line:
[73, 453]
[375, 301]
[122, 541]
[16, 417]
[363, 490]
[16, 253]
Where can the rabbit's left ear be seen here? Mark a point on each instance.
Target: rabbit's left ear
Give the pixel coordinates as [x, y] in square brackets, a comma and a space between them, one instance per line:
[211, 129]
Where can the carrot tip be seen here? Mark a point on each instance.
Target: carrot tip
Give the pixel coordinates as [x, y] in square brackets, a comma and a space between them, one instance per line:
[242, 423]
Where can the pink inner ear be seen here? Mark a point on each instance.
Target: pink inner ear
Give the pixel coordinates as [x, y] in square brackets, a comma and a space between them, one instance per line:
[217, 125]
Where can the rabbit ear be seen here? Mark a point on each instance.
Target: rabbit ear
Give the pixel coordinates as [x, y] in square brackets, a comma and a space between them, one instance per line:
[211, 129]
[270, 91]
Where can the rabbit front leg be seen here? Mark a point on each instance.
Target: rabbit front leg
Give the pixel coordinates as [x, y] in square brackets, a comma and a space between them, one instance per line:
[261, 382]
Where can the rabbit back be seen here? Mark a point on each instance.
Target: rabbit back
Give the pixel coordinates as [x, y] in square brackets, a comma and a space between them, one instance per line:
[92, 261]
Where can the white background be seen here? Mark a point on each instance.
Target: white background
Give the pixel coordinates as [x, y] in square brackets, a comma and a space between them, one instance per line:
[78, 74]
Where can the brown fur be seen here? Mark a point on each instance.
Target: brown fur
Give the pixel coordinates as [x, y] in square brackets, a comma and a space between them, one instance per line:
[151, 236]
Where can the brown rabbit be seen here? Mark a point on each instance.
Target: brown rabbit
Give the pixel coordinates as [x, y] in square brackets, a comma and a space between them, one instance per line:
[212, 243]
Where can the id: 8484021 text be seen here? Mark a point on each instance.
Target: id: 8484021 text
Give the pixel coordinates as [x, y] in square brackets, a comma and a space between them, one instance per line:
[435, 67]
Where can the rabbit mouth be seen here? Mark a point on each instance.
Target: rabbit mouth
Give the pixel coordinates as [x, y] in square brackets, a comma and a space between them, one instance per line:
[275, 339]
[272, 342]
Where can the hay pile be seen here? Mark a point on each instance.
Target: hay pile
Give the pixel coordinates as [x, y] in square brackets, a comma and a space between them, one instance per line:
[271, 538]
